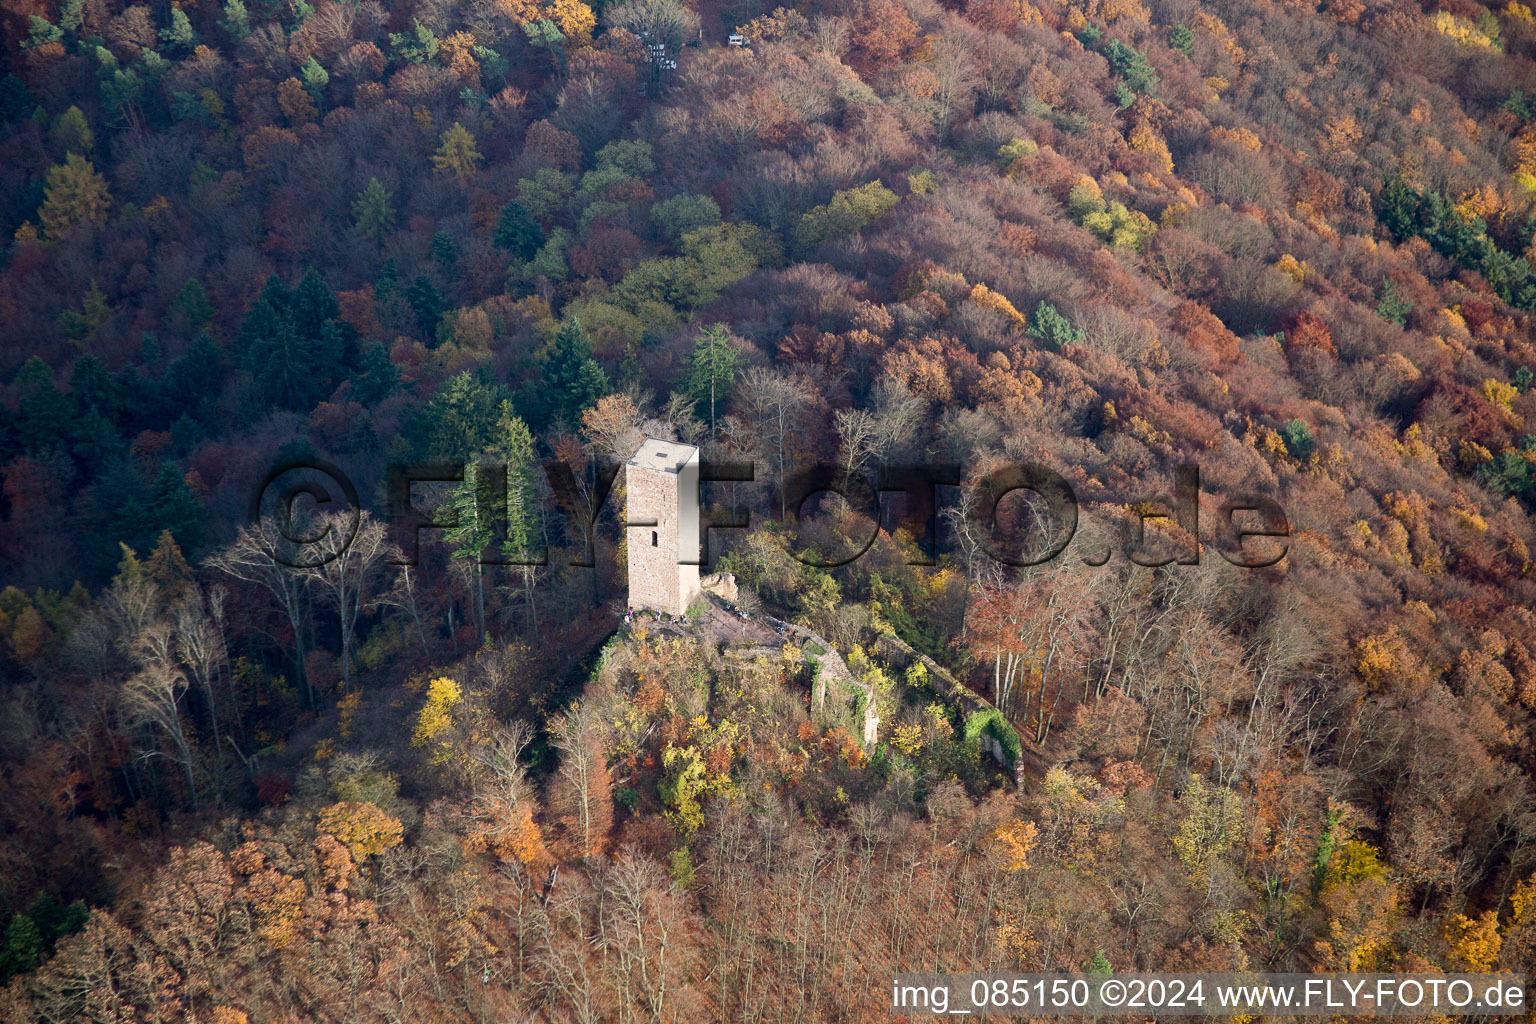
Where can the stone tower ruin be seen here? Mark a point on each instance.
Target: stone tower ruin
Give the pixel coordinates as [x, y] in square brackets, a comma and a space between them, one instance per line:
[662, 515]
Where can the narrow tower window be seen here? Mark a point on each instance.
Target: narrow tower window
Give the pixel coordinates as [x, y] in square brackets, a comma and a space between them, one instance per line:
[653, 538]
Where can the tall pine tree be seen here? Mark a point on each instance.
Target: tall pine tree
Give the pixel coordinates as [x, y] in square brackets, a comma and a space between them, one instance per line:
[712, 369]
[374, 212]
[518, 232]
[573, 382]
[275, 353]
[295, 347]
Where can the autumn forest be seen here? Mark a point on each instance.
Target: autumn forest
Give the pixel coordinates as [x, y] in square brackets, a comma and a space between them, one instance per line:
[1187, 255]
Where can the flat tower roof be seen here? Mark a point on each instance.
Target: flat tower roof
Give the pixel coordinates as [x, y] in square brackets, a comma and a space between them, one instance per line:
[667, 456]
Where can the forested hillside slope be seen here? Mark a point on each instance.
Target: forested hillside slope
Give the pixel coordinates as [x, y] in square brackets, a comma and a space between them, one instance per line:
[1287, 242]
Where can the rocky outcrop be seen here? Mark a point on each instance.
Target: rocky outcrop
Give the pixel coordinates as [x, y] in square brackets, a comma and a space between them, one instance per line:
[722, 585]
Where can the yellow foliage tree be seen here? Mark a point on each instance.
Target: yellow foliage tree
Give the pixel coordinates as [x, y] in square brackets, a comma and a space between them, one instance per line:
[1016, 937]
[1212, 823]
[572, 17]
[73, 194]
[1467, 514]
[1085, 198]
[1029, 14]
[908, 739]
[1462, 31]
[1522, 902]
[984, 296]
[1500, 393]
[1523, 150]
[434, 723]
[361, 827]
[1123, 10]
[29, 637]
[1145, 139]
[682, 786]
[1292, 268]
[348, 707]
[521, 12]
[457, 52]
[1483, 201]
[1380, 658]
[1361, 902]
[523, 841]
[1241, 137]
[457, 153]
[1012, 841]
[1474, 942]
[277, 901]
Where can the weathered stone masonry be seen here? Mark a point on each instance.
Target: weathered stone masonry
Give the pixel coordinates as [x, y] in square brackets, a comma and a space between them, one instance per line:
[662, 485]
